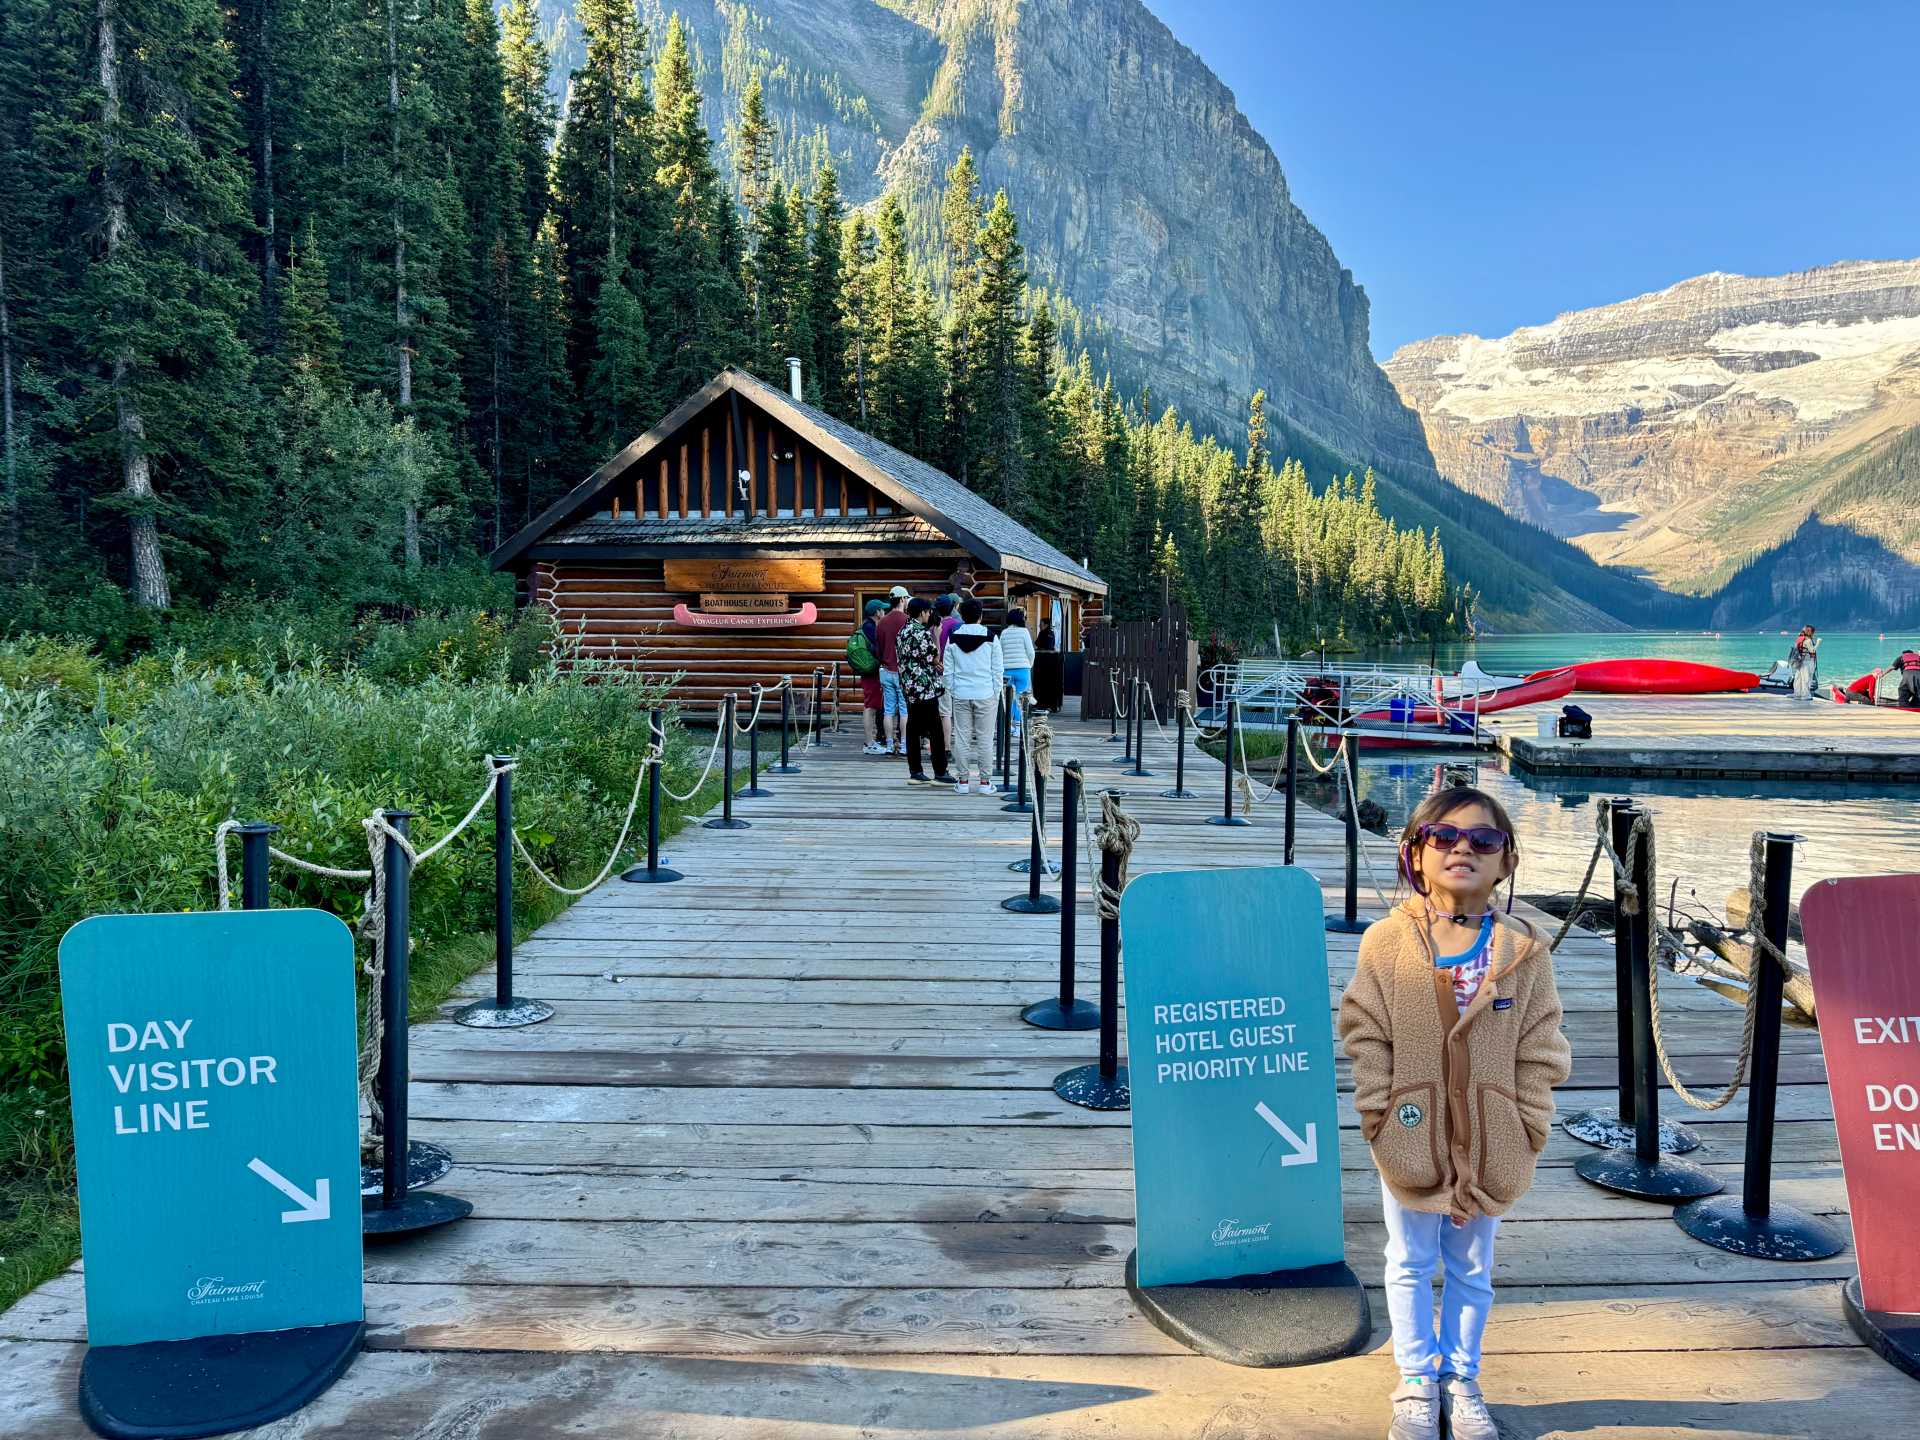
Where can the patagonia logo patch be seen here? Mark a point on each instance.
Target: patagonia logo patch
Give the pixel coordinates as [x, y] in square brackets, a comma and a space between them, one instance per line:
[1505, 1002]
[1410, 1115]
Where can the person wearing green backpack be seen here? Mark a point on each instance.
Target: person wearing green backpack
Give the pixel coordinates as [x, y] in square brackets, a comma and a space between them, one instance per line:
[863, 658]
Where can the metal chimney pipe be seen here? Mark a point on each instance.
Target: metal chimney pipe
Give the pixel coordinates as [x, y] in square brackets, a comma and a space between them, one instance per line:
[793, 378]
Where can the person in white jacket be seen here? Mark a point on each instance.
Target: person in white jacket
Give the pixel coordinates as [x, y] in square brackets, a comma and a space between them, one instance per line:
[1016, 650]
[976, 669]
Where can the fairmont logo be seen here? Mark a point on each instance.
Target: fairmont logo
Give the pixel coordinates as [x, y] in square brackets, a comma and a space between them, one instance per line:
[1232, 1232]
[214, 1290]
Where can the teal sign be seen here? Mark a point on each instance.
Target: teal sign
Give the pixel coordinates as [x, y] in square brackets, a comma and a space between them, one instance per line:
[215, 1118]
[1236, 1141]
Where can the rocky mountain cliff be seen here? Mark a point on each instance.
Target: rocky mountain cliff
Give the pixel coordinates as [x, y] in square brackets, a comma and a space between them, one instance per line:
[1684, 431]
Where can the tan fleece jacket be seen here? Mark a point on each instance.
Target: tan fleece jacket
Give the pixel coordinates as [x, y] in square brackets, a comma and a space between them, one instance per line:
[1456, 1104]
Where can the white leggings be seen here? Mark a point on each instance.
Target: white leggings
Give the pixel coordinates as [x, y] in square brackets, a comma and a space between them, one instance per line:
[1418, 1244]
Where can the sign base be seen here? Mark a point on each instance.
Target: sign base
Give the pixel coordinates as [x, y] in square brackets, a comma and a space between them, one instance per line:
[1894, 1338]
[1050, 1014]
[426, 1163]
[1785, 1232]
[1287, 1317]
[640, 875]
[417, 1210]
[1666, 1178]
[487, 1015]
[175, 1389]
[1603, 1126]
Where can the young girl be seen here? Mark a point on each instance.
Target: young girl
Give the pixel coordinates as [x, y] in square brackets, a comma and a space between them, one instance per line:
[1453, 1026]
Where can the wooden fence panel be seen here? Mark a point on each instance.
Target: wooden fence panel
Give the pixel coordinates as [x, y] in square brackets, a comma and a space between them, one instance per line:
[1162, 652]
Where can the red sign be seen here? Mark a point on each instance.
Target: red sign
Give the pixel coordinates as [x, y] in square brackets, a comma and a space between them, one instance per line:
[1863, 945]
[700, 620]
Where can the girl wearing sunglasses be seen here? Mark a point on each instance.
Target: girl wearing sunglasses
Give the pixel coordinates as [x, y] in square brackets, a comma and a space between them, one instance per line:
[1452, 1022]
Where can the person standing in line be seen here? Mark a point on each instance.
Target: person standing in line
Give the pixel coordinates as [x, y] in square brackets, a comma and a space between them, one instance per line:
[920, 681]
[1452, 1022]
[1016, 649]
[975, 673]
[887, 646]
[944, 625]
[872, 697]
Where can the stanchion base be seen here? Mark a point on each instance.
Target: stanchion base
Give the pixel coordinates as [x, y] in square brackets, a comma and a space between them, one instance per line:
[1894, 1338]
[1666, 1178]
[640, 875]
[1340, 925]
[174, 1389]
[1017, 808]
[1228, 820]
[1178, 795]
[723, 824]
[1783, 1233]
[425, 1164]
[753, 792]
[1024, 867]
[1602, 1126]
[1086, 1087]
[1050, 1014]
[783, 770]
[1285, 1317]
[1137, 774]
[487, 1015]
[419, 1210]
[1028, 905]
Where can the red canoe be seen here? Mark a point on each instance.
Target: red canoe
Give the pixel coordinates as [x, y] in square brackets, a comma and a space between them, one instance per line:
[1654, 677]
[1534, 690]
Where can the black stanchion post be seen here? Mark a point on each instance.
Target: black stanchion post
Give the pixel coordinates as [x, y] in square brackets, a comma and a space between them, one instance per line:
[653, 872]
[753, 790]
[1063, 1011]
[254, 860]
[1104, 1086]
[1226, 815]
[728, 708]
[1142, 697]
[1113, 704]
[786, 765]
[1755, 1223]
[1644, 1171]
[1006, 735]
[1179, 790]
[1614, 1128]
[505, 1011]
[1033, 902]
[1293, 784]
[1021, 805]
[398, 1209]
[1132, 692]
[1348, 921]
[820, 741]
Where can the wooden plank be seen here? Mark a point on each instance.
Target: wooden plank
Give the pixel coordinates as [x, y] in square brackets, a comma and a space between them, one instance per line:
[727, 487]
[706, 472]
[752, 507]
[684, 476]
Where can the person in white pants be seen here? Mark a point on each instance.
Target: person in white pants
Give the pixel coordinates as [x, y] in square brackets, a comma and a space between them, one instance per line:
[975, 673]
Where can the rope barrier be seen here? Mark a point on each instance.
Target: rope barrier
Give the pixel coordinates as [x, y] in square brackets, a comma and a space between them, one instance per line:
[1113, 690]
[653, 756]
[659, 747]
[1183, 700]
[1116, 833]
[759, 693]
[1040, 757]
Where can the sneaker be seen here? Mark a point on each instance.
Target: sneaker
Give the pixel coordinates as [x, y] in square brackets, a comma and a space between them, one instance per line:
[1416, 1412]
[987, 787]
[917, 779]
[1467, 1415]
[962, 787]
[874, 748]
[945, 780]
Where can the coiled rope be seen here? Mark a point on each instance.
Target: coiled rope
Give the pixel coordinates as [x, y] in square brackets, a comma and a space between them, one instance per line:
[1039, 731]
[1183, 701]
[1116, 834]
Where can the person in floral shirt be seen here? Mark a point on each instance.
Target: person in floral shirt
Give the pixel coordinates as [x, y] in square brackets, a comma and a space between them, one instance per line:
[920, 682]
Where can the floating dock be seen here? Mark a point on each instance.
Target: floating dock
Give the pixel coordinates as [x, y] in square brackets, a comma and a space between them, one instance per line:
[786, 1165]
[1720, 737]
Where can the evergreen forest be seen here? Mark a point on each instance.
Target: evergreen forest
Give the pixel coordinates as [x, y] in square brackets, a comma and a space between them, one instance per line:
[316, 301]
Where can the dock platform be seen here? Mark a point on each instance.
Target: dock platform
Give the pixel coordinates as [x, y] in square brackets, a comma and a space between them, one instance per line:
[1721, 737]
[786, 1165]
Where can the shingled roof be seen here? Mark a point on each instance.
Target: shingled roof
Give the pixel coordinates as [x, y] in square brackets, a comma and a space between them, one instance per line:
[994, 538]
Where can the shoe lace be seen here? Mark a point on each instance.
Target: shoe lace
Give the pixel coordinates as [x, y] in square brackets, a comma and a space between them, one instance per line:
[1473, 1407]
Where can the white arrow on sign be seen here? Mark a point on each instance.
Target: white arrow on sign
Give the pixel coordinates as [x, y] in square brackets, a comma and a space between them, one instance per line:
[317, 1206]
[1305, 1152]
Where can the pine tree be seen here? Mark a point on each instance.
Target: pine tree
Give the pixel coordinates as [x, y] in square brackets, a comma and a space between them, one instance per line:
[1041, 427]
[892, 335]
[310, 334]
[779, 269]
[754, 137]
[960, 234]
[858, 258]
[147, 154]
[531, 115]
[620, 394]
[827, 365]
[1002, 283]
[548, 449]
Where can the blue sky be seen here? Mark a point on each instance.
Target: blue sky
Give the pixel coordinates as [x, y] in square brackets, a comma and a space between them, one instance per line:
[1480, 166]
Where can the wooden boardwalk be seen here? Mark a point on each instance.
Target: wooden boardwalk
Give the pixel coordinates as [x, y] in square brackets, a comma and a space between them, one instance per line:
[787, 1164]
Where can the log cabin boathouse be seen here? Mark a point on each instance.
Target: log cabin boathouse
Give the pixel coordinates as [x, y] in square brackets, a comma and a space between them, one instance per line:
[739, 538]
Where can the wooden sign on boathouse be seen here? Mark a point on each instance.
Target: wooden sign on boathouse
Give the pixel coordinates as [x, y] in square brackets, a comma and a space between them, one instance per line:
[739, 539]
